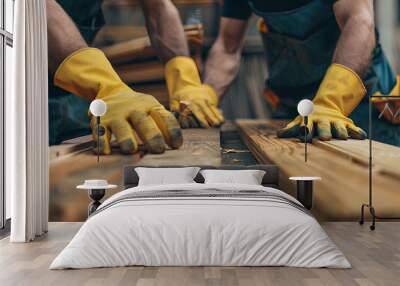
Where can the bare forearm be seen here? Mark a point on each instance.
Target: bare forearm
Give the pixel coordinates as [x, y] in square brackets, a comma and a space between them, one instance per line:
[64, 37]
[355, 47]
[357, 41]
[221, 68]
[165, 29]
[223, 61]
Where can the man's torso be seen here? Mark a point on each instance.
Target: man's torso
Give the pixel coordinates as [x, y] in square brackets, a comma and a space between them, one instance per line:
[241, 9]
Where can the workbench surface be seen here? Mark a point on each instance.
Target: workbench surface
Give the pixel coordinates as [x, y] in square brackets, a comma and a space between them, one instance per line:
[342, 165]
[73, 162]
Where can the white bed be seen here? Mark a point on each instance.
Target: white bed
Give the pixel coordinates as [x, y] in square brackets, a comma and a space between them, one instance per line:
[203, 225]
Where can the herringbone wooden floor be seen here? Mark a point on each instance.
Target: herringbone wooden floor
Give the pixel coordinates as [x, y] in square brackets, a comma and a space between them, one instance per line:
[375, 257]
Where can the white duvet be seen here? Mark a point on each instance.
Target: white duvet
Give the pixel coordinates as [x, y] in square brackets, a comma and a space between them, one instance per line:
[188, 231]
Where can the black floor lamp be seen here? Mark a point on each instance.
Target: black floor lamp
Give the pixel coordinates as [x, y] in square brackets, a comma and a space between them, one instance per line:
[98, 108]
[305, 108]
[370, 202]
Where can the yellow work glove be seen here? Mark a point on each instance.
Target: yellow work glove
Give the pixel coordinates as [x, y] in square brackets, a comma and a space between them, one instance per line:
[196, 103]
[339, 93]
[130, 115]
[388, 106]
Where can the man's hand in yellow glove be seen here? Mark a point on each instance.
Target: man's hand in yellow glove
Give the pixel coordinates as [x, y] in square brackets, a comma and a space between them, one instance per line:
[130, 115]
[196, 103]
[339, 93]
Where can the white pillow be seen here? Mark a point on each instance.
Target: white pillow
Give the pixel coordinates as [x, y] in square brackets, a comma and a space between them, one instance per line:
[166, 176]
[248, 177]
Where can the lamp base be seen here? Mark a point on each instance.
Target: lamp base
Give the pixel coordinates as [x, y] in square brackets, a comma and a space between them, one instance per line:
[372, 212]
[305, 193]
[96, 195]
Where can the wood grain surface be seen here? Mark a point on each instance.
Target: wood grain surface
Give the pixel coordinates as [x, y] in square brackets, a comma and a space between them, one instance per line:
[342, 165]
[67, 170]
[140, 49]
[374, 257]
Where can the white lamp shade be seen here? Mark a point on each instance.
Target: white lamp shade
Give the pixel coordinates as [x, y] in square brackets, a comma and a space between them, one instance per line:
[305, 107]
[98, 107]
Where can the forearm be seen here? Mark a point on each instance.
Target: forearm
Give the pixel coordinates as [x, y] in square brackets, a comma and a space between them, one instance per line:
[221, 67]
[165, 29]
[64, 37]
[223, 61]
[357, 40]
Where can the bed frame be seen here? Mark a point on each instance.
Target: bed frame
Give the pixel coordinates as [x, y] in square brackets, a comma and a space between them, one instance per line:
[270, 179]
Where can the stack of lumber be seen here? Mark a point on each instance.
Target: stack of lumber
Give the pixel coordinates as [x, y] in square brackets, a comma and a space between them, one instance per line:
[138, 65]
[342, 165]
[128, 15]
[125, 21]
[112, 34]
[140, 49]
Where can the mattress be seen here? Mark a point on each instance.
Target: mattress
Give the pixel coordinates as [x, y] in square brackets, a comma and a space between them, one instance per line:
[201, 225]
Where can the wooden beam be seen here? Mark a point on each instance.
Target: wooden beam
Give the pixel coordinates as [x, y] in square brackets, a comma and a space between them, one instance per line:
[343, 166]
[386, 158]
[137, 63]
[141, 72]
[66, 203]
[200, 147]
[69, 147]
[140, 49]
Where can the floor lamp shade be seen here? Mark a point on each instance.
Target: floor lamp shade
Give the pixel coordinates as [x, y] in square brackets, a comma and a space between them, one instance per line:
[98, 107]
[305, 107]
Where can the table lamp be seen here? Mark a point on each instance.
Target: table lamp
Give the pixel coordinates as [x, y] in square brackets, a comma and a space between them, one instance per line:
[98, 108]
[305, 108]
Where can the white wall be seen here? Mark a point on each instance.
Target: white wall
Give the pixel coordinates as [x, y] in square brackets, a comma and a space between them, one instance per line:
[386, 21]
[9, 11]
[9, 67]
[9, 26]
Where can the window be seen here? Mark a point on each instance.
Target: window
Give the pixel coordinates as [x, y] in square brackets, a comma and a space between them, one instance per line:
[6, 62]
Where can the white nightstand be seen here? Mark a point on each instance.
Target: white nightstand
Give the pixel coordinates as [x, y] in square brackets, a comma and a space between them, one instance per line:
[96, 190]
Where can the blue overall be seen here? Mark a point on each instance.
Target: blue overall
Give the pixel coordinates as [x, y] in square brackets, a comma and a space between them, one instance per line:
[68, 113]
[299, 48]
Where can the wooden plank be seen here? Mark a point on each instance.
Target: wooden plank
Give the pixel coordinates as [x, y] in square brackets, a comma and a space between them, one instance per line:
[136, 61]
[201, 146]
[140, 49]
[141, 72]
[342, 166]
[110, 34]
[66, 203]
[68, 147]
[136, 49]
[374, 257]
[386, 158]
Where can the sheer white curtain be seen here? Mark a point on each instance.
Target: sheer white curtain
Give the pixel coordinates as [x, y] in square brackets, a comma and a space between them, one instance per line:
[26, 124]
